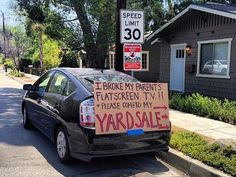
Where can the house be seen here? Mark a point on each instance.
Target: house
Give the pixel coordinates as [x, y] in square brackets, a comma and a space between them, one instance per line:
[198, 50]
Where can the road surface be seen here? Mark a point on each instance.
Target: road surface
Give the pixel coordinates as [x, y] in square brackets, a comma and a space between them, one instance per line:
[27, 153]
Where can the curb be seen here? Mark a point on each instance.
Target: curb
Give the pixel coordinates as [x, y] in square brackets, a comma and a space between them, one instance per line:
[191, 167]
[16, 79]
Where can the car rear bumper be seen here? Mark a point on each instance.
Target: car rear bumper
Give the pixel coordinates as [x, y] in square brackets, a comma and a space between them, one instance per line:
[122, 144]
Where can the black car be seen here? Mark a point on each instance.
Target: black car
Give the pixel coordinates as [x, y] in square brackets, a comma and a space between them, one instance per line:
[54, 104]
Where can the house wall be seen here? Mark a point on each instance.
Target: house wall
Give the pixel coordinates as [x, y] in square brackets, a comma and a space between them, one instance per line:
[205, 27]
[154, 63]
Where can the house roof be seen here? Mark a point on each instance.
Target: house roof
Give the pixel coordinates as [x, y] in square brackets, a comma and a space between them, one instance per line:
[225, 10]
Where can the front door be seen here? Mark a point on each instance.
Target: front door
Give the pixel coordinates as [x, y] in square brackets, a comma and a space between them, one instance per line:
[177, 67]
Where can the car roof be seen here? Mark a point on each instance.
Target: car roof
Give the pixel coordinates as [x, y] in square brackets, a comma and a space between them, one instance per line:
[81, 72]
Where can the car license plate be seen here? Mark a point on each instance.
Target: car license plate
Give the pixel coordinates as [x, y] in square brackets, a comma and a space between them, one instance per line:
[135, 132]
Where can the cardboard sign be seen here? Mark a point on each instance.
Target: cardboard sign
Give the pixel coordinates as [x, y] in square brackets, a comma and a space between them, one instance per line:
[132, 57]
[124, 106]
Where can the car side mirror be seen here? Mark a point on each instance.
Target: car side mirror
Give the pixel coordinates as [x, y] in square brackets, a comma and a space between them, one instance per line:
[28, 87]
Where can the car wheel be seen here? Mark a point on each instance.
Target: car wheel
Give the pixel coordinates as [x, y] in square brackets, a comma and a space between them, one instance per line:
[206, 71]
[63, 150]
[26, 121]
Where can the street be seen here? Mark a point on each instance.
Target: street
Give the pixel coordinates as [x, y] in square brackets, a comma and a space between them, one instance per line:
[29, 153]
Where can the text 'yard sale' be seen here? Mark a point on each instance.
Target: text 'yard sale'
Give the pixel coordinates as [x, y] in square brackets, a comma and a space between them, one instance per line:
[123, 106]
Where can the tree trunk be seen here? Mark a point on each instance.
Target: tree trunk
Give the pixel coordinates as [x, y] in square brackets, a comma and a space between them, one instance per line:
[102, 41]
[90, 57]
[171, 8]
[89, 43]
[41, 56]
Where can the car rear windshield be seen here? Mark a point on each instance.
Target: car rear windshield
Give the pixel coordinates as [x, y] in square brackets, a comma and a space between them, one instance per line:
[88, 81]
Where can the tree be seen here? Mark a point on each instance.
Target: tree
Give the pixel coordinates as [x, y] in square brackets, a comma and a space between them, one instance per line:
[38, 31]
[89, 25]
[94, 22]
[154, 12]
[51, 52]
[181, 5]
[69, 59]
[21, 43]
[16, 44]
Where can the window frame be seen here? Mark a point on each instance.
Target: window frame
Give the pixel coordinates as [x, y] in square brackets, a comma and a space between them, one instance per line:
[42, 78]
[147, 53]
[229, 40]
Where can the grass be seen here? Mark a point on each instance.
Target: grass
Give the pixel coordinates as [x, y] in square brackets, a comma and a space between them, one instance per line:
[193, 145]
[15, 73]
[205, 106]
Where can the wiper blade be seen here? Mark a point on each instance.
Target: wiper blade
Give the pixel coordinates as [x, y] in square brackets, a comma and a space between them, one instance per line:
[90, 80]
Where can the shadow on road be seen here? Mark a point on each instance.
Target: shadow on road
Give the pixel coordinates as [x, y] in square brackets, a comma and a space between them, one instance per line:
[13, 133]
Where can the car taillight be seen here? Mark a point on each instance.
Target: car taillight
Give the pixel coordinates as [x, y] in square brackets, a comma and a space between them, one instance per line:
[87, 113]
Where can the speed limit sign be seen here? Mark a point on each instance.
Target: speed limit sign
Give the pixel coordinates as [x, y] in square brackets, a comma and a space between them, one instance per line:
[132, 27]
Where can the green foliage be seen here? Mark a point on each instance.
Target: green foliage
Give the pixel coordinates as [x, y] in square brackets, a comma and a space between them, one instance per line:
[192, 144]
[177, 102]
[69, 59]
[51, 52]
[9, 63]
[1, 58]
[154, 12]
[86, 25]
[16, 73]
[205, 106]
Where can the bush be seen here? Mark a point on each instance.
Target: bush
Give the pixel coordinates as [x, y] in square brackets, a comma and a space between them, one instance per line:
[177, 102]
[9, 63]
[193, 145]
[205, 106]
[15, 73]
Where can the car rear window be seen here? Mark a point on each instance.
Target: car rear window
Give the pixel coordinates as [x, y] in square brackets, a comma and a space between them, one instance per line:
[224, 62]
[88, 81]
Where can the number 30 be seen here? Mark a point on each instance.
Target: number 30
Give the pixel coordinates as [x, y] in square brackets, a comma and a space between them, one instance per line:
[136, 34]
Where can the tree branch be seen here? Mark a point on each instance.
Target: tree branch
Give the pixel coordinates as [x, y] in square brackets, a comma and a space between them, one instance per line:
[71, 20]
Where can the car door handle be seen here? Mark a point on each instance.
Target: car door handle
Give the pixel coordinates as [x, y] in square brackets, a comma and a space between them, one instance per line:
[56, 106]
[38, 100]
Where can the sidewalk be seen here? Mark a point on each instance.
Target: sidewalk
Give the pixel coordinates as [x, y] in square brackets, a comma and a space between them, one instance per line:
[214, 130]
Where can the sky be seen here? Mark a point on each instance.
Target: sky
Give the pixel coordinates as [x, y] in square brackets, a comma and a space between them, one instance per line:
[10, 16]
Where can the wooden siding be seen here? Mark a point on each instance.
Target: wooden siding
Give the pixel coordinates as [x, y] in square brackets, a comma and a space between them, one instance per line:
[154, 63]
[200, 27]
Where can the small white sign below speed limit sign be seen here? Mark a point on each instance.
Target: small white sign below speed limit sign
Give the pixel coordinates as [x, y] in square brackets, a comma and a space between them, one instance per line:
[132, 26]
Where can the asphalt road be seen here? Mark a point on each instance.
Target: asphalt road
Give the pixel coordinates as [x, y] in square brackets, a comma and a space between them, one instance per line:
[26, 153]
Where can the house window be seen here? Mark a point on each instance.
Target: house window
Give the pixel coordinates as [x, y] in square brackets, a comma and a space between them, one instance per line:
[180, 53]
[145, 60]
[214, 58]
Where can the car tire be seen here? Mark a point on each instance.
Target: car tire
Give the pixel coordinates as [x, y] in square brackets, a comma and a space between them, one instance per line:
[62, 146]
[206, 71]
[26, 122]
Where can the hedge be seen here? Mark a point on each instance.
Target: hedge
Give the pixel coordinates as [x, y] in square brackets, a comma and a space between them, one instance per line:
[215, 155]
[15, 73]
[223, 110]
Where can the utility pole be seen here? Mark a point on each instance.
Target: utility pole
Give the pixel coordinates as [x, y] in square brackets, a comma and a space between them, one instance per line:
[121, 4]
[4, 36]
